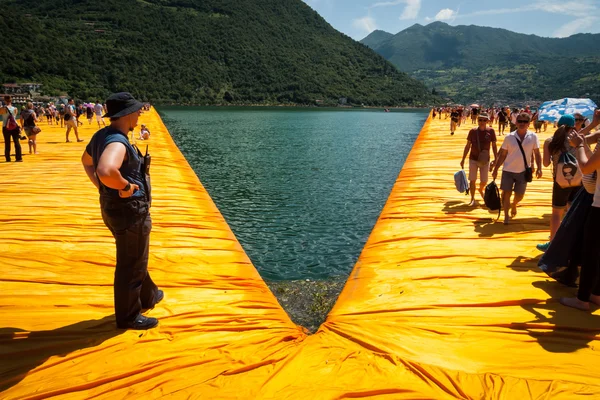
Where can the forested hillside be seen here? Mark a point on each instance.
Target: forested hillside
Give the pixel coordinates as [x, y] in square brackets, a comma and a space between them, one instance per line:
[195, 51]
[473, 63]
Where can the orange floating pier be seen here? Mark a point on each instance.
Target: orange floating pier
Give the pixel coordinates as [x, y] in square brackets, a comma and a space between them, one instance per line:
[443, 303]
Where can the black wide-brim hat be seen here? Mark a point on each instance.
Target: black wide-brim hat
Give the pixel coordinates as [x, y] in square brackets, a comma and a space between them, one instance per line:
[121, 104]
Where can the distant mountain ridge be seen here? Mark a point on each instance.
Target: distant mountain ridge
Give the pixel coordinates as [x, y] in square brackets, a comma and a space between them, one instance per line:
[493, 65]
[195, 51]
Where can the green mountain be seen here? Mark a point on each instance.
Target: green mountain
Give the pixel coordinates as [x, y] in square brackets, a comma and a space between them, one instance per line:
[376, 37]
[195, 51]
[494, 66]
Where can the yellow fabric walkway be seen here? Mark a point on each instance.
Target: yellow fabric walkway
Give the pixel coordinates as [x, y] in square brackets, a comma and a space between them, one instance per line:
[442, 303]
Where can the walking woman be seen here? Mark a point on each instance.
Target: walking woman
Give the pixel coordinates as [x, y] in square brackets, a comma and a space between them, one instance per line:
[29, 120]
[589, 281]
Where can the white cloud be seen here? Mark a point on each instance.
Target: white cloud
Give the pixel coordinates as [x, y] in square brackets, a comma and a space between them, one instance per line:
[446, 14]
[411, 11]
[580, 8]
[575, 26]
[366, 24]
[387, 3]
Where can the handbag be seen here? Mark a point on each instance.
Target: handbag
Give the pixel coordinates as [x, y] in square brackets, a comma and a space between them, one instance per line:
[528, 170]
[483, 158]
[35, 130]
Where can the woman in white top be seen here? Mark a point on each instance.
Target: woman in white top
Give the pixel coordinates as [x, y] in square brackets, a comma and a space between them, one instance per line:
[589, 281]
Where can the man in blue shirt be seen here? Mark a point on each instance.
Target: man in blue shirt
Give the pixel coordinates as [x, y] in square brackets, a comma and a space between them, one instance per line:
[120, 173]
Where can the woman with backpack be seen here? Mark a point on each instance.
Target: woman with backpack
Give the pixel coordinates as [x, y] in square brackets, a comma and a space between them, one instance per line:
[562, 197]
[29, 119]
[589, 282]
[10, 129]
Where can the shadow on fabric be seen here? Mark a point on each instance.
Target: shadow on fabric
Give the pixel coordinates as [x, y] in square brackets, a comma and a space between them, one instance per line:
[557, 328]
[487, 228]
[455, 206]
[22, 351]
[524, 264]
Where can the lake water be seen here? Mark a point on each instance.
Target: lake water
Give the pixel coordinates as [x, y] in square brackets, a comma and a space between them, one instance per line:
[300, 188]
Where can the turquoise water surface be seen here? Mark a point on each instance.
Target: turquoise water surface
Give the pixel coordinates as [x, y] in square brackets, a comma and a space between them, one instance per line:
[300, 188]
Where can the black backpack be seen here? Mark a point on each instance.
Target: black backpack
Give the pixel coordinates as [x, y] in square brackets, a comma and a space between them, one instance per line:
[491, 197]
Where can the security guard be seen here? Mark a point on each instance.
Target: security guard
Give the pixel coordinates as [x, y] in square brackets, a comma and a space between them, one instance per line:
[120, 173]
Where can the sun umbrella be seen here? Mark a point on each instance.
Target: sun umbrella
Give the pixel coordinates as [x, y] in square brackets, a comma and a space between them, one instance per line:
[474, 105]
[553, 110]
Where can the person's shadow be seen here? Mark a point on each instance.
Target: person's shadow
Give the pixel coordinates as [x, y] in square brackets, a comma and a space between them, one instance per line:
[525, 264]
[488, 228]
[566, 329]
[455, 206]
[23, 351]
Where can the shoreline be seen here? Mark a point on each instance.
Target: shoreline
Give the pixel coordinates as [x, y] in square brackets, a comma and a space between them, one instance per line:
[290, 106]
[307, 302]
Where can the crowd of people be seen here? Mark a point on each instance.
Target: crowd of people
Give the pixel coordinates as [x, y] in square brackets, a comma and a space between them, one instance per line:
[29, 120]
[574, 238]
[504, 116]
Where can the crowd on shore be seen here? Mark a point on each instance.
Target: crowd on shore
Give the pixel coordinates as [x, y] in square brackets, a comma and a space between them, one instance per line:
[572, 153]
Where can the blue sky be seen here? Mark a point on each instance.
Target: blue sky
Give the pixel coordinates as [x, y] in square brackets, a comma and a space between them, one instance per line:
[548, 18]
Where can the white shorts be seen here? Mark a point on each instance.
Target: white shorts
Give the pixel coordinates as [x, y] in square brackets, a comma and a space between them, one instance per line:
[99, 118]
[72, 122]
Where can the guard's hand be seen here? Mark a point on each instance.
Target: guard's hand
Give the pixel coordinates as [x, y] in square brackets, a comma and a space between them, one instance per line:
[492, 163]
[129, 193]
[538, 173]
[495, 174]
[462, 163]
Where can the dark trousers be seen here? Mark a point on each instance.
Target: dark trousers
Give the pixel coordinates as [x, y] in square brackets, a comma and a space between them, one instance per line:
[563, 257]
[130, 223]
[589, 280]
[14, 134]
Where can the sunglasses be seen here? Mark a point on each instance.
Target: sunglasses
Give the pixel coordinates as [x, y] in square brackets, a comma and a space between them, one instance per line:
[579, 119]
[522, 121]
[482, 120]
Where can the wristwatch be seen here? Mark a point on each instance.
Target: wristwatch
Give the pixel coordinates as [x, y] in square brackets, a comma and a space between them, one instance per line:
[126, 188]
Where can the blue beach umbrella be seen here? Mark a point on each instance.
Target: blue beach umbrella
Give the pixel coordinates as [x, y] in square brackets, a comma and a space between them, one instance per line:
[553, 110]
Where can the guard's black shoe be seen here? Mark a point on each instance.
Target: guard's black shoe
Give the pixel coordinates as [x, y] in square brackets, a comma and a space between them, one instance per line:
[140, 323]
[159, 296]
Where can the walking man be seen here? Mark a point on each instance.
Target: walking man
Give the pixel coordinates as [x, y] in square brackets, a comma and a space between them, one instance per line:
[516, 154]
[99, 110]
[479, 141]
[502, 121]
[454, 118]
[120, 173]
[71, 120]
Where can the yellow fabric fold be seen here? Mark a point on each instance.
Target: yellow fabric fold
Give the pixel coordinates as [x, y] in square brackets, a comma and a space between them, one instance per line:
[443, 303]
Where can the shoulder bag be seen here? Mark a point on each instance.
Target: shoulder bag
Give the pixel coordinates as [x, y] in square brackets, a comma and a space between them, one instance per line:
[484, 157]
[528, 170]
